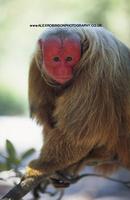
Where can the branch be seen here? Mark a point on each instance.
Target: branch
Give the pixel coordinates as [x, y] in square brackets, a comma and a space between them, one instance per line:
[28, 183]
[77, 178]
[25, 185]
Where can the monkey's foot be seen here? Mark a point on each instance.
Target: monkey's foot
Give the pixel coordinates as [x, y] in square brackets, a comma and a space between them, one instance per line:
[60, 180]
[60, 183]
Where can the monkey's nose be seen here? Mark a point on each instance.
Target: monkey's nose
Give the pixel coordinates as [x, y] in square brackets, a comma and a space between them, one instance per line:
[63, 70]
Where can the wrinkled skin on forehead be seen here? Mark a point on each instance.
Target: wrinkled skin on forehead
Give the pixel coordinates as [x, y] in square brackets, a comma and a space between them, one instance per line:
[60, 56]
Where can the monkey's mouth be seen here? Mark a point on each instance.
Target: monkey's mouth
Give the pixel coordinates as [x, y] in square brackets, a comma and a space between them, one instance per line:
[62, 80]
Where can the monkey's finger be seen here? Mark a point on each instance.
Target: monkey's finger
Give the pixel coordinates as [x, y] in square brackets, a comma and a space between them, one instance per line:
[60, 183]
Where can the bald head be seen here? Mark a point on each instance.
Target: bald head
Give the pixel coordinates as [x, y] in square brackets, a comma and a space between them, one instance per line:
[61, 50]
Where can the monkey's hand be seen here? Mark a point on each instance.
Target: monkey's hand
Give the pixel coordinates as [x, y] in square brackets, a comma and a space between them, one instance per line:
[57, 154]
[60, 180]
[35, 168]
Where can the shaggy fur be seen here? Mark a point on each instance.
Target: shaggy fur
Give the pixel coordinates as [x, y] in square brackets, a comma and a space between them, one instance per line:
[89, 117]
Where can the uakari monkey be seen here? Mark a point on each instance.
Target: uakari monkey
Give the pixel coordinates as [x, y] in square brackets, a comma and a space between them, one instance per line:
[79, 91]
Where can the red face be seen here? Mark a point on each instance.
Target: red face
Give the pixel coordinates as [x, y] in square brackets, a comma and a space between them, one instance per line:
[60, 57]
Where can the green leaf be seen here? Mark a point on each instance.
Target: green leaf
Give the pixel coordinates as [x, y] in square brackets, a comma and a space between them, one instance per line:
[11, 151]
[8, 163]
[27, 153]
[3, 166]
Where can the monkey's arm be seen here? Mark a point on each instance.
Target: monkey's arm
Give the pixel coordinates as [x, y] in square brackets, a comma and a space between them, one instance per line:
[59, 151]
[64, 154]
[40, 96]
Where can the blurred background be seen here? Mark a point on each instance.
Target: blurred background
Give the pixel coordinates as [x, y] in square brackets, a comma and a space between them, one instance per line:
[17, 43]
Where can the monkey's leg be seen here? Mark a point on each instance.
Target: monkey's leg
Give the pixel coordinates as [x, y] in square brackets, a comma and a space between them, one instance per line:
[97, 157]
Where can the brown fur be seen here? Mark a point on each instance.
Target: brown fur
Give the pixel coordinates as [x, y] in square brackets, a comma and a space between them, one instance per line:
[90, 117]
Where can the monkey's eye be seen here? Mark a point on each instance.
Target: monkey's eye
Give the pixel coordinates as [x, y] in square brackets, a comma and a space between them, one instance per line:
[69, 58]
[56, 58]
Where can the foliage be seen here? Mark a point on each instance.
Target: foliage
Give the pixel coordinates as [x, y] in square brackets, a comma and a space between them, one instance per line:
[12, 160]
